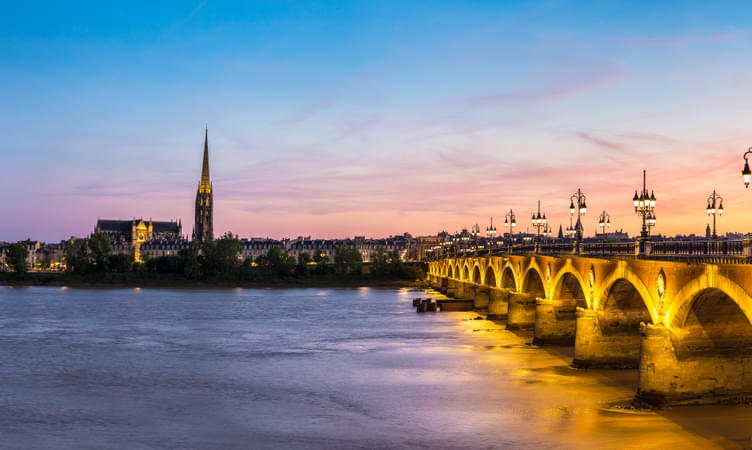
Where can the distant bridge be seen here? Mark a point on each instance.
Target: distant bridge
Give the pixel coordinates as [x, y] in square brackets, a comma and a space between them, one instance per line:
[683, 320]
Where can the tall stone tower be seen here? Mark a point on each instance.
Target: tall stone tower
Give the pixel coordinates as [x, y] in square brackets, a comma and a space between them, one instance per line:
[203, 227]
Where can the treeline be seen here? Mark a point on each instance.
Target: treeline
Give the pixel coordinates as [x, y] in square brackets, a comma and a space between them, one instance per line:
[219, 260]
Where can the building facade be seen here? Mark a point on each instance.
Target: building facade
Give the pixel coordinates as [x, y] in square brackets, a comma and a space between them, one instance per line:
[127, 236]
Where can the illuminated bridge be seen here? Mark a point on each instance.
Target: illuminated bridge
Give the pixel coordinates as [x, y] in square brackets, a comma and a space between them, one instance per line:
[681, 315]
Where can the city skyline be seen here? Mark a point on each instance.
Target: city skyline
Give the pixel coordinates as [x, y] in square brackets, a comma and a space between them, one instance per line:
[428, 123]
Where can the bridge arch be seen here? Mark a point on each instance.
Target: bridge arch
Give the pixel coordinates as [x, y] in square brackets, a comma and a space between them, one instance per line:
[508, 280]
[465, 273]
[713, 322]
[533, 283]
[622, 309]
[678, 311]
[457, 272]
[476, 275]
[490, 278]
[621, 273]
[570, 286]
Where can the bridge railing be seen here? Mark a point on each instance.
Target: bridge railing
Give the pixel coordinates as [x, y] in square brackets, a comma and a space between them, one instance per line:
[676, 248]
[710, 252]
[608, 249]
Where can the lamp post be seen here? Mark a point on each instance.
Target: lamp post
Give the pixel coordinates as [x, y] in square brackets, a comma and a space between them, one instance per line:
[712, 210]
[644, 205]
[746, 173]
[510, 221]
[539, 222]
[475, 233]
[491, 234]
[581, 209]
[604, 221]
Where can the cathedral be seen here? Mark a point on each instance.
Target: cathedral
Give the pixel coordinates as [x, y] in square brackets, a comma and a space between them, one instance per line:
[133, 236]
[203, 226]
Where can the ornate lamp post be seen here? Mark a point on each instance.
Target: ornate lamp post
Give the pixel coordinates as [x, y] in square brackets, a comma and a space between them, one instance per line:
[491, 234]
[712, 210]
[510, 221]
[746, 173]
[604, 221]
[578, 198]
[475, 233]
[539, 222]
[644, 205]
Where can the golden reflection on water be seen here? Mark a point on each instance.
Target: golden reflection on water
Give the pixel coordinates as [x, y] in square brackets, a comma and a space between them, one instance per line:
[540, 399]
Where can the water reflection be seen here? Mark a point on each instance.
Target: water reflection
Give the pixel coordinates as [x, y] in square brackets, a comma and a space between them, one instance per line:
[272, 368]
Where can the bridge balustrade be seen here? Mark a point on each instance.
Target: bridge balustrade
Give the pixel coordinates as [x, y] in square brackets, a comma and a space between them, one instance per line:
[608, 248]
[710, 252]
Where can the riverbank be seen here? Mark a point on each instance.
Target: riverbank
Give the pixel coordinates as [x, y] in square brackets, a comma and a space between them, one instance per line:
[149, 280]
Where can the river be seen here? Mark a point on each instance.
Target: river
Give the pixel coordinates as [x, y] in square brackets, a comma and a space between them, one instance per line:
[307, 368]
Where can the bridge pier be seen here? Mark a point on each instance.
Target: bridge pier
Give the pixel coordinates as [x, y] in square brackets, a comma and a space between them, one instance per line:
[443, 285]
[521, 315]
[672, 372]
[480, 302]
[555, 321]
[468, 291]
[498, 303]
[595, 349]
[451, 287]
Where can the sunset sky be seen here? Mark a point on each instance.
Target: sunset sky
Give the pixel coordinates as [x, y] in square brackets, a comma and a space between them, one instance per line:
[374, 118]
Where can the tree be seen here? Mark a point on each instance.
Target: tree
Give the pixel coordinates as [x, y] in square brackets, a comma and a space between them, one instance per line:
[164, 264]
[348, 261]
[190, 262]
[395, 263]
[76, 256]
[276, 263]
[120, 262]
[100, 248]
[322, 262]
[220, 257]
[380, 262]
[302, 268]
[16, 255]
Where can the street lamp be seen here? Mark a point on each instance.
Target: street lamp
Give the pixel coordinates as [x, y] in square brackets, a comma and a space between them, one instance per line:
[548, 232]
[604, 221]
[578, 199]
[475, 233]
[510, 221]
[491, 234]
[644, 205]
[712, 210]
[746, 173]
[539, 221]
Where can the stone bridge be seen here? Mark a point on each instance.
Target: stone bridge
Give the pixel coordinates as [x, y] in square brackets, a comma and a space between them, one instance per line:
[686, 327]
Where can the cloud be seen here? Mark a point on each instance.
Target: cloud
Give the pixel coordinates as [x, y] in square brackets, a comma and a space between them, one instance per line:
[559, 89]
[600, 142]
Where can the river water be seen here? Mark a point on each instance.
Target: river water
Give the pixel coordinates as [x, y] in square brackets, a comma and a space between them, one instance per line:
[307, 368]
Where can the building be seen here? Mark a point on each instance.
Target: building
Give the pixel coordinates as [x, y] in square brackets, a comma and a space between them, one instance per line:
[156, 247]
[127, 236]
[203, 226]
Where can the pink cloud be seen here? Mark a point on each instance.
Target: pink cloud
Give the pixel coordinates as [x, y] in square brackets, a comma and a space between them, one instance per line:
[560, 88]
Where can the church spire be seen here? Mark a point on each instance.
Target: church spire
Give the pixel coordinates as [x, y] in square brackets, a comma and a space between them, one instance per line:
[203, 229]
[205, 185]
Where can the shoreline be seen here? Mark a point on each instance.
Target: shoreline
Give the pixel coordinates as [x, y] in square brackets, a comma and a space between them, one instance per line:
[219, 285]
